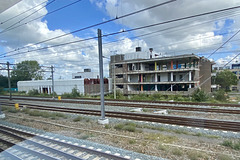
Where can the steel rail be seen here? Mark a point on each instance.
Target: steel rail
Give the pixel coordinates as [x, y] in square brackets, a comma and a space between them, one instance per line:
[185, 121]
[173, 107]
[90, 151]
[138, 101]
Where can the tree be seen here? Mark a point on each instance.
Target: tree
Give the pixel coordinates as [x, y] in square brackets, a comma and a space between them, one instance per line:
[225, 79]
[26, 70]
[3, 81]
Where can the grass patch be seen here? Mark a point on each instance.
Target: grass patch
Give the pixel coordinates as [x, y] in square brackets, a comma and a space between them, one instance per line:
[78, 118]
[232, 145]
[177, 152]
[9, 109]
[36, 113]
[194, 155]
[212, 136]
[181, 131]
[162, 147]
[224, 157]
[162, 138]
[132, 141]
[130, 127]
[107, 126]
[86, 136]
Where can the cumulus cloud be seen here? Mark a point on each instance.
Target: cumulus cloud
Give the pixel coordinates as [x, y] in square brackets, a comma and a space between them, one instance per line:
[191, 36]
[198, 34]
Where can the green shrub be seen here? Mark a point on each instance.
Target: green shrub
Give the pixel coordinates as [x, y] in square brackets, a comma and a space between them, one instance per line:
[220, 95]
[156, 96]
[75, 93]
[33, 92]
[200, 96]
[119, 95]
[67, 95]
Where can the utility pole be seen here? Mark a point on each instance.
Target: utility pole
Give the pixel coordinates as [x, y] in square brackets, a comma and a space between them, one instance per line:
[52, 82]
[9, 82]
[114, 80]
[102, 120]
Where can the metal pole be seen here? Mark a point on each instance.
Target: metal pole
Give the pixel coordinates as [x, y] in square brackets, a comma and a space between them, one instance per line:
[9, 82]
[101, 73]
[52, 81]
[114, 80]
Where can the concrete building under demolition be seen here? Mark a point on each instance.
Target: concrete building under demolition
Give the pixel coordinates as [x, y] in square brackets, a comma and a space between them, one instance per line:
[145, 72]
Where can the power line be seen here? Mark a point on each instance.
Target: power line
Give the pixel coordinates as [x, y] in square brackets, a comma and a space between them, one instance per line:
[129, 30]
[27, 16]
[91, 26]
[22, 13]
[224, 43]
[211, 76]
[41, 16]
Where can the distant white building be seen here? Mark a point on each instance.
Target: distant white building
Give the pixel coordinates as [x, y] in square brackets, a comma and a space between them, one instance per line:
[86, 74]
[86, 82]
[45, 86]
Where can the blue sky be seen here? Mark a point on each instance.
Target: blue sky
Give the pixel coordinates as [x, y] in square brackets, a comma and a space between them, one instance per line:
[79, 15]
[199, 35]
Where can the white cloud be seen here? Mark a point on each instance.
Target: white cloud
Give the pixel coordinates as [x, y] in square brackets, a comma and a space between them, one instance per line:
[184, 37]
[188, 30]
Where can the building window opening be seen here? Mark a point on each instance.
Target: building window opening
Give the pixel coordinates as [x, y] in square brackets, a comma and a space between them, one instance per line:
[130, 67]
[45, 90]
[119, 86]
[158, 78]
[118, 65]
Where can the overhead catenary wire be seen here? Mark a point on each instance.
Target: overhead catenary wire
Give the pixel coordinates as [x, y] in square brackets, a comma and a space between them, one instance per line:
[211, 76]
[108, 43]
[95, 25]
[224, 43]
[129, 30]
[65, 6]
[22, 13]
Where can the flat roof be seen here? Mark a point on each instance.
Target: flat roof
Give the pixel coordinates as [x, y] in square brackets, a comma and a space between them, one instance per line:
[160, 59]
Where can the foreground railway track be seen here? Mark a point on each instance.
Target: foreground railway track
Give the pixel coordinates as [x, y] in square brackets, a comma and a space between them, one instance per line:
[140, 105]
[184, 121]
[19, 145]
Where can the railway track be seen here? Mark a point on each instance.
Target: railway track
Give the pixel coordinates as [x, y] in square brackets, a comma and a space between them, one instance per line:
[184, 121]
[140, 105]
[133, 101]
[21, 145]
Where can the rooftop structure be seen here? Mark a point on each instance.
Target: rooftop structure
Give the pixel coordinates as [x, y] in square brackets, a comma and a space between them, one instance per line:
[85, 74]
